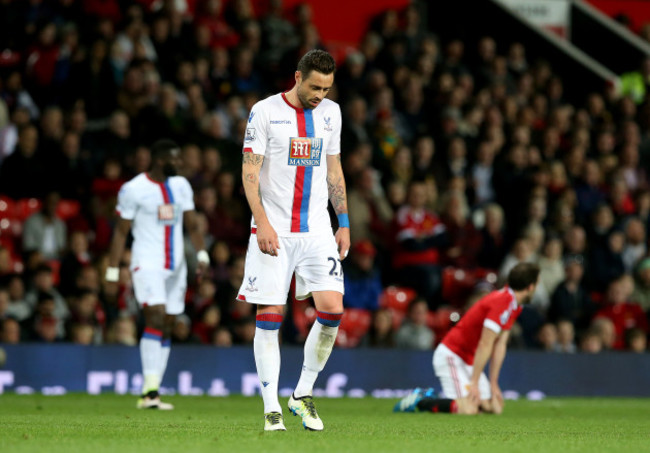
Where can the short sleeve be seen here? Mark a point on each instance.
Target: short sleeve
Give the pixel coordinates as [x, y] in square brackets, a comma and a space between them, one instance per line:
[334, 145]
[499, 316]
[126, 202]
[255, 137]
[186, 195]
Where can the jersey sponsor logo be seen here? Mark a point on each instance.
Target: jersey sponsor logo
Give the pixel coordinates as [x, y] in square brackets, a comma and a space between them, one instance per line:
[250, 117]
[167, 214]
[250, 135]
[305, 152]
[328, 124]
[280, 121]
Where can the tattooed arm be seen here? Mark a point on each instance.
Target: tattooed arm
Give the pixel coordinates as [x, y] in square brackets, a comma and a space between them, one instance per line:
[338, 198]
[267, 238]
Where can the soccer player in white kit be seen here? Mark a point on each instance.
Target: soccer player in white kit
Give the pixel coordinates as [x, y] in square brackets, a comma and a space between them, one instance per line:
[156, 204]
[291, 166]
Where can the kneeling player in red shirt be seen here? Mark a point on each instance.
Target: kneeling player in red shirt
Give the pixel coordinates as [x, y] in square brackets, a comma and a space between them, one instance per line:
[481, 335]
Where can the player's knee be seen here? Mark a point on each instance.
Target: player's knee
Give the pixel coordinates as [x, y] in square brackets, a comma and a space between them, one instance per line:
[154, 317]
[328, 301]
[270, 309]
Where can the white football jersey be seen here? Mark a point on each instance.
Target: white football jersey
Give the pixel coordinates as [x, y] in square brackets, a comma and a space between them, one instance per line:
[156, 210]
[293, 179]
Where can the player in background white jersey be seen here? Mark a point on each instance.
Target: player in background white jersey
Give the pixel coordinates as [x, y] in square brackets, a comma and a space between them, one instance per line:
[155, 206]
[287, 183]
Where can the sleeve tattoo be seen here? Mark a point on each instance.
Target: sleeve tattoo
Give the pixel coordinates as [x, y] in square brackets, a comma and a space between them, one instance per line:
[251, 177]
[336, 189]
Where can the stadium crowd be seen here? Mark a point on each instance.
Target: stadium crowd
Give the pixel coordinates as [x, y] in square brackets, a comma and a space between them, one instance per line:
[461, 160]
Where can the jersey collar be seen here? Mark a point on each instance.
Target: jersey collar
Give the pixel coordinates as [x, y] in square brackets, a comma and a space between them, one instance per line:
[284, 97]
[512, 293]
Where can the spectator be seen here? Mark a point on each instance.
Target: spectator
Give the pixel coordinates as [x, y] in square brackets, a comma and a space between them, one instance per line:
[420, 236]
[18, 308]
[44, 231]
[414, 332]
[570, 301]
[565, 337]
[493, 243]
[551, 265]
[636, 340]
[122, 331]
[11, 332]
[547, 337]
[76, 258]
[635, 244]
[24, 164]
[210, 318]
[624, 315]
[43, 283]
[222, 338]
[362, 279]
[82, 334]
[381, 333]
[370, 212]
[464, 239]
[182, 331]
[606, 331]
[641, 294]
[591, 342]
[606, 262]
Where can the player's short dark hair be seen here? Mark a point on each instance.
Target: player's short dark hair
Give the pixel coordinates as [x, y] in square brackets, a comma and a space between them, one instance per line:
[162, 147]
[523, 275]
[316, 60]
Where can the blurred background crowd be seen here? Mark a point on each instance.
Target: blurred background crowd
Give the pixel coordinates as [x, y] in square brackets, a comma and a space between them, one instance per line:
[461, 160]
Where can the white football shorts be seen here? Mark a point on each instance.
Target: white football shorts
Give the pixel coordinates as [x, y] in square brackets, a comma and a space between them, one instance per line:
[314, 259]
[161, 287]
[455, 375]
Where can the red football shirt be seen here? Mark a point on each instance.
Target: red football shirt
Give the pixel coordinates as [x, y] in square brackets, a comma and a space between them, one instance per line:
[497, 311]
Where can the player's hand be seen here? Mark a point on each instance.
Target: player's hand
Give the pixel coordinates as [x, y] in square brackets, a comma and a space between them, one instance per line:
[267, 240]
[473, 394]
[342, 238]
[496, 394]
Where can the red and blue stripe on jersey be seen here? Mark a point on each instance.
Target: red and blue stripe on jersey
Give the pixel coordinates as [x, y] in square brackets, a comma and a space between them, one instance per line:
[168, 198]
[302, 185]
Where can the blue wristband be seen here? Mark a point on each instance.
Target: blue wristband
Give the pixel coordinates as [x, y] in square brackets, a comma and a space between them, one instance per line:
[344, 221]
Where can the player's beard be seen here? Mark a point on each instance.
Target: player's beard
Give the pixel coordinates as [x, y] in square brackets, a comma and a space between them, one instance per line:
[304, 100]
[169, 170]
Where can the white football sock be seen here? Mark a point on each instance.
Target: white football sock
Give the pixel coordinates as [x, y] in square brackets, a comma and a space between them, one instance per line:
[318, 348]
[150, 354]
[267, 360]
[165, 349]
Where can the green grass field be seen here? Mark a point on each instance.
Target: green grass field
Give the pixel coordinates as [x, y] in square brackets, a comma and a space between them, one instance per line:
[83, 423]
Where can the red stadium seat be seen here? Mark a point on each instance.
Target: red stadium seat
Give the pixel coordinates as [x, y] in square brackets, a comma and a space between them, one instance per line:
[354, 325]
[397, 298]
[7, 208]
[458, 284]
[26, 207]
[67, 209]
[442, 320]
[11, 226]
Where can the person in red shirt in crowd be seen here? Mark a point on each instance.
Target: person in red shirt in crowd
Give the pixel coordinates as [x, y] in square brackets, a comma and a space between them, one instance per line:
[480, 336]
[624, 314]
[420, 235]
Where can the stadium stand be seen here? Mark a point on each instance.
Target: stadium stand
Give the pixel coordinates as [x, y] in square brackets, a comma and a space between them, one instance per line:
[514, 166]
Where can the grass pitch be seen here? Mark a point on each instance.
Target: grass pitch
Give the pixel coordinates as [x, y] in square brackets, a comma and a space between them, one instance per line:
[109, 423]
